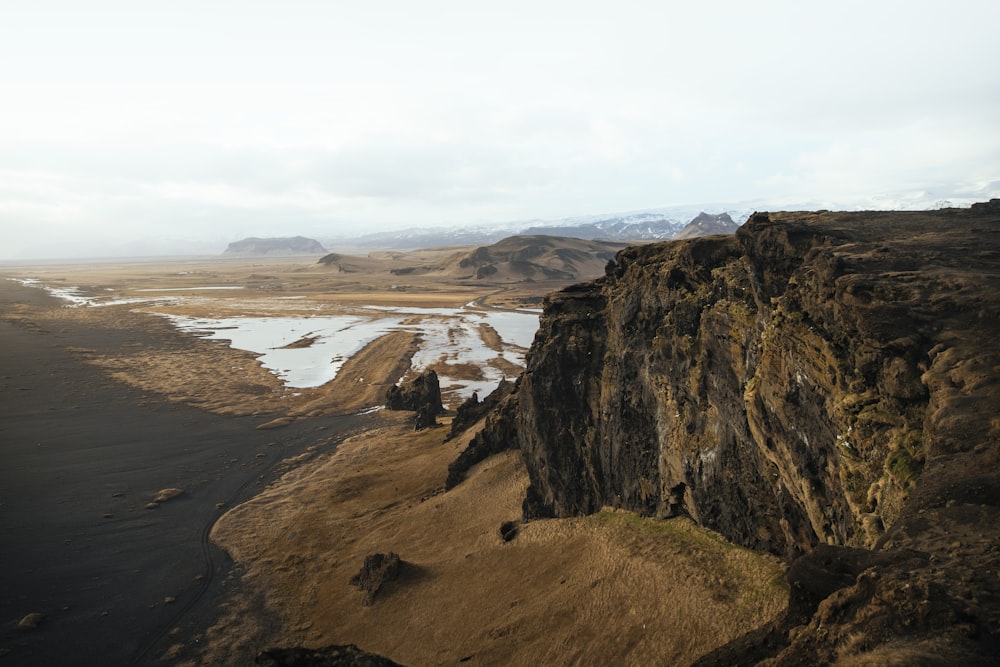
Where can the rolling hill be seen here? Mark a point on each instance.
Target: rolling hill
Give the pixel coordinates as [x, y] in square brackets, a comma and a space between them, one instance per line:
[515, 259]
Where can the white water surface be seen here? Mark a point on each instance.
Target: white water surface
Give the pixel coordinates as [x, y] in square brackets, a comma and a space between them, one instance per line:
[447, 336]
[336, 339]
[452, 336]
[76, 299]
[516, 327]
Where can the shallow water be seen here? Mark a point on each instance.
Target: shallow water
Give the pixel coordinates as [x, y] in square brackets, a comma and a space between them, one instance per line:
[516, 327]
[76, 298]
[336, 338]
[449, 336]
[452, 336]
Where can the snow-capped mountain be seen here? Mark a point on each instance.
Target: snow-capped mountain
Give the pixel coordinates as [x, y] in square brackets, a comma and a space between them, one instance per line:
[649, 225]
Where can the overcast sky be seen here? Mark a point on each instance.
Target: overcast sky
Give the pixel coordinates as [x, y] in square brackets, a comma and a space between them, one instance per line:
[143, 124]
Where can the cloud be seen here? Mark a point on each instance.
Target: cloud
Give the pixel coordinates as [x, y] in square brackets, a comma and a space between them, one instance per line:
[307, 117]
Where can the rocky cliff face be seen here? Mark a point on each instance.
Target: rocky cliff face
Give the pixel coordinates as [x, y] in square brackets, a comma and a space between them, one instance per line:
[818, 378]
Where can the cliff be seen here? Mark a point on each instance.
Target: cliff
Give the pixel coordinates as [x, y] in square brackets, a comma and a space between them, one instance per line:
[816, 379]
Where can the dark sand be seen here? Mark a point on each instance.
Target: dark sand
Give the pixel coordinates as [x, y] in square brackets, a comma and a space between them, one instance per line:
[80, 457]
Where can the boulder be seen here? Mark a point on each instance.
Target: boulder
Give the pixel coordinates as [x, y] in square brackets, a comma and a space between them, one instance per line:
[377, 570]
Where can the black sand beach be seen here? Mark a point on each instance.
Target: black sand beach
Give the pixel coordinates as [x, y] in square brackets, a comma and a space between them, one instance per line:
[81, 456]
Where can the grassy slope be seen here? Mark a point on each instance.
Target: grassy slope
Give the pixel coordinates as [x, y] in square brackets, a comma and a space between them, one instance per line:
[611, 588]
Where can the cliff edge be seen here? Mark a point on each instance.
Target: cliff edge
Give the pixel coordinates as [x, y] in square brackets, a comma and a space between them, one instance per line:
[822, 385]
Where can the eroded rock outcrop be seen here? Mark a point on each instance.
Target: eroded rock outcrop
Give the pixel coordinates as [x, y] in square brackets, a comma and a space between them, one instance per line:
[421, 395]
[377, 570]
[497, 436]
[818, 378]
[472, 409]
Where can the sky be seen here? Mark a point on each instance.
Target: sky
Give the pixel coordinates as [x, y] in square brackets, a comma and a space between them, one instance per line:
[155, 127]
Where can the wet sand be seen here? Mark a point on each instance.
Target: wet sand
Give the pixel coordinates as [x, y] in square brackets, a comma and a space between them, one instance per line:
[82, 456]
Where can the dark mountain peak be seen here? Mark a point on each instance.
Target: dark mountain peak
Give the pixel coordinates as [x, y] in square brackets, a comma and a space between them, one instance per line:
[287, 245]
[707, 218]
[706, 224]
[539, 257]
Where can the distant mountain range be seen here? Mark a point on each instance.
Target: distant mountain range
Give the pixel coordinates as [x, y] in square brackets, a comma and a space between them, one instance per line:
[681, 221]
[623, 229]
[515, 259]
[653, 225]
[633, 227]
[557, 255]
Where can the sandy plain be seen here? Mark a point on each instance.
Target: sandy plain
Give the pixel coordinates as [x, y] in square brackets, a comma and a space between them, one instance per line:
[314, 487]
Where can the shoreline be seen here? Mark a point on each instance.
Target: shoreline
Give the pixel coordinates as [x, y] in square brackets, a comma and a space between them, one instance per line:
[83, 455]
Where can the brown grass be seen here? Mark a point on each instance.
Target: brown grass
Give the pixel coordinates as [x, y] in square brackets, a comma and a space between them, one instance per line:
[606, 589]
[933, 652]
[215, 377]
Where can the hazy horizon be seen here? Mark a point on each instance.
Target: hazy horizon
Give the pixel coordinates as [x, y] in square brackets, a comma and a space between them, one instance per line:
[190, 125]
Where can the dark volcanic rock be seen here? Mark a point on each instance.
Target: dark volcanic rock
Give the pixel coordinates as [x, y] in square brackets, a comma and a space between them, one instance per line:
[509, 530]
[378, 569]
[858, 607]
[292, 245]
[815, 379]
[423, 393]
[347, 655]
[784, 386]
[426, 418]
[472, 409]
[495, 437]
